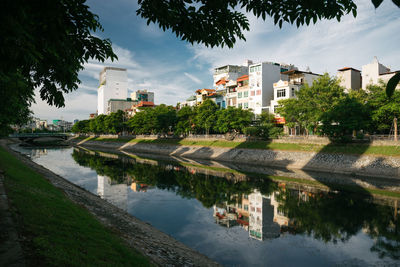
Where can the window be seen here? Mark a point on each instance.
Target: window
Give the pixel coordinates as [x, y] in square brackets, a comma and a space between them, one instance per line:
[246, 94]
[246, 105]
[245, 196]
[239, 205]
[255, 68]
[252, 93]
[281, 93]
[246, 207]
[258, 92]
[293, 93]
[240, 95]
[240, 105]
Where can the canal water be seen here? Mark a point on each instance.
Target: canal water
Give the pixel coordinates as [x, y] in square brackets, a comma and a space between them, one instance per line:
[234, 219]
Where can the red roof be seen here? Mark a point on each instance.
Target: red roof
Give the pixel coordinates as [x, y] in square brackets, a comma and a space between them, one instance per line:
[243, 78]
[348, 68]
[222, 81]
[145, 104]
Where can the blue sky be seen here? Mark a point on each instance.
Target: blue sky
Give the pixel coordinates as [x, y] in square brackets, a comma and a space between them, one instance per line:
[174, 69]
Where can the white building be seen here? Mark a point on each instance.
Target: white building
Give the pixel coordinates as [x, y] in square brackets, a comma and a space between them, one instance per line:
[116, 194]
[350, 78]
[228, 73]
[373, 72]
[261, 214]
[290, 82]
[261, 79]
[113, 85]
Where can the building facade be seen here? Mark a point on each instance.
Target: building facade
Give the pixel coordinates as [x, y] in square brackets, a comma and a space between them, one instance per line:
[350, 78]
[113, 85]
[142, 95]
[261, 79]
[291, 81]
[114, 105]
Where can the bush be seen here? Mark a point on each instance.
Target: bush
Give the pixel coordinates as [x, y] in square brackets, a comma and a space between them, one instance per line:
[266, 132]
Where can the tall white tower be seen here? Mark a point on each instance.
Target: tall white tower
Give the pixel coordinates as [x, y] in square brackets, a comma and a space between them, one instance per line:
[113, 85]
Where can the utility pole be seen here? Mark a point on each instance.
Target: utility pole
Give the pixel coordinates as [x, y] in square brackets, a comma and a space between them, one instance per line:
[395, 128]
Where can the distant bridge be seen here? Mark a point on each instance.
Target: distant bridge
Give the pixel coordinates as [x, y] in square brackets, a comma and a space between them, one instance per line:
[30, 137]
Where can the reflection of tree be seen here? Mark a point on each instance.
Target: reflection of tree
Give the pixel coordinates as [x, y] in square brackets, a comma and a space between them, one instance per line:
[205, 188]
[337, 217]
[328, 216]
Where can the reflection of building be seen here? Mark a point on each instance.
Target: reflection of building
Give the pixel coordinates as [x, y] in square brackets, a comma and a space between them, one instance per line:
[37, 153]
[116, 194]
[138, 187]
[261, 223]
[233, 214]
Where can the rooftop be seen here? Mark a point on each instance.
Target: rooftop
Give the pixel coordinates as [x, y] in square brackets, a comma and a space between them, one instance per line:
[348, 68]
[291, 72]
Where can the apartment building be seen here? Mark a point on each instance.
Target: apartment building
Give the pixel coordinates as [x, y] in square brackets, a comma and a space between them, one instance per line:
[261, 79]
[113, 85]
[142, 95]
[373, 72]
[229, 72]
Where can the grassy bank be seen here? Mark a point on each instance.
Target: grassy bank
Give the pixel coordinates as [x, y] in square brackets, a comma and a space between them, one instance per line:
[356, 149]
[57, 231]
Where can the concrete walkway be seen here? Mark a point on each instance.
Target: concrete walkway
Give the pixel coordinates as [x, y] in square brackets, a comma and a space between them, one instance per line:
[10, 248]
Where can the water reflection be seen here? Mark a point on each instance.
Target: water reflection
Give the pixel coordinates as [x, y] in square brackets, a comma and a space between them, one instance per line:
[265, 209]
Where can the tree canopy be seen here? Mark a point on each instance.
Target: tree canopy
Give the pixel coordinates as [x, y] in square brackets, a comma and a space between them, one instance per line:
[43, 46]
[222, 22]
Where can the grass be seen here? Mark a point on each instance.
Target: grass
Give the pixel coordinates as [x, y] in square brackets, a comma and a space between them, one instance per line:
[356, 149]
[59, 232]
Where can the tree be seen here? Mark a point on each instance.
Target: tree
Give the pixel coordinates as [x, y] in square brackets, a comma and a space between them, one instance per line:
[206, 116]
[232, 119]
[185, 117]
[384, 109]
[44, 46]
[114, 123]
[222, 22]
[348, 115]
[312, 102]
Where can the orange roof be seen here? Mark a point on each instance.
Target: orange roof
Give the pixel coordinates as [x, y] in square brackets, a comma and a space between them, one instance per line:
[145, 104]
[243, 78]
[348, 68]
[222, 81]
[208, 90]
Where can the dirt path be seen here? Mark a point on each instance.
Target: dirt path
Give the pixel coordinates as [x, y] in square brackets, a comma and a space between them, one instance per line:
[161, 248]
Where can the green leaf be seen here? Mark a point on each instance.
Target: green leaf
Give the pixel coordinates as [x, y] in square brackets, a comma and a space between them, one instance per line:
[377, 3]
[392, 83]
[396, 2]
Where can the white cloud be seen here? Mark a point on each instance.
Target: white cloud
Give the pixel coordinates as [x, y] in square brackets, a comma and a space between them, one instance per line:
[192, 77]
[326, 46]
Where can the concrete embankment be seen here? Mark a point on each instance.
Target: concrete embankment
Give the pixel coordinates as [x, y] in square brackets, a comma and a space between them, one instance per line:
[363, 165]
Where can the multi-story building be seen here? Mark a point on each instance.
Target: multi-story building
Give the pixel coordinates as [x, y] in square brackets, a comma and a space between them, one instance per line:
[120, 104]
[350, 78]
[231, 92]
[261, 79]
[289, 84]
[373, 72]
[190, 102]
[142, 95]
[229, 72]
[113, 85]
[243, 92]
[202, 94]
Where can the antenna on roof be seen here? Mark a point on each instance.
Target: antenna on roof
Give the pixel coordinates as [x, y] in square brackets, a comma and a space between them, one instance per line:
[308, 69]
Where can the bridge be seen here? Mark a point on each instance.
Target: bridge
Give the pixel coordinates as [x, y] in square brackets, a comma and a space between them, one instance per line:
[30, 137]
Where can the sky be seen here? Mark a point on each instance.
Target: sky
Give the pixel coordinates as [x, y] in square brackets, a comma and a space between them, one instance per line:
[173, 69]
